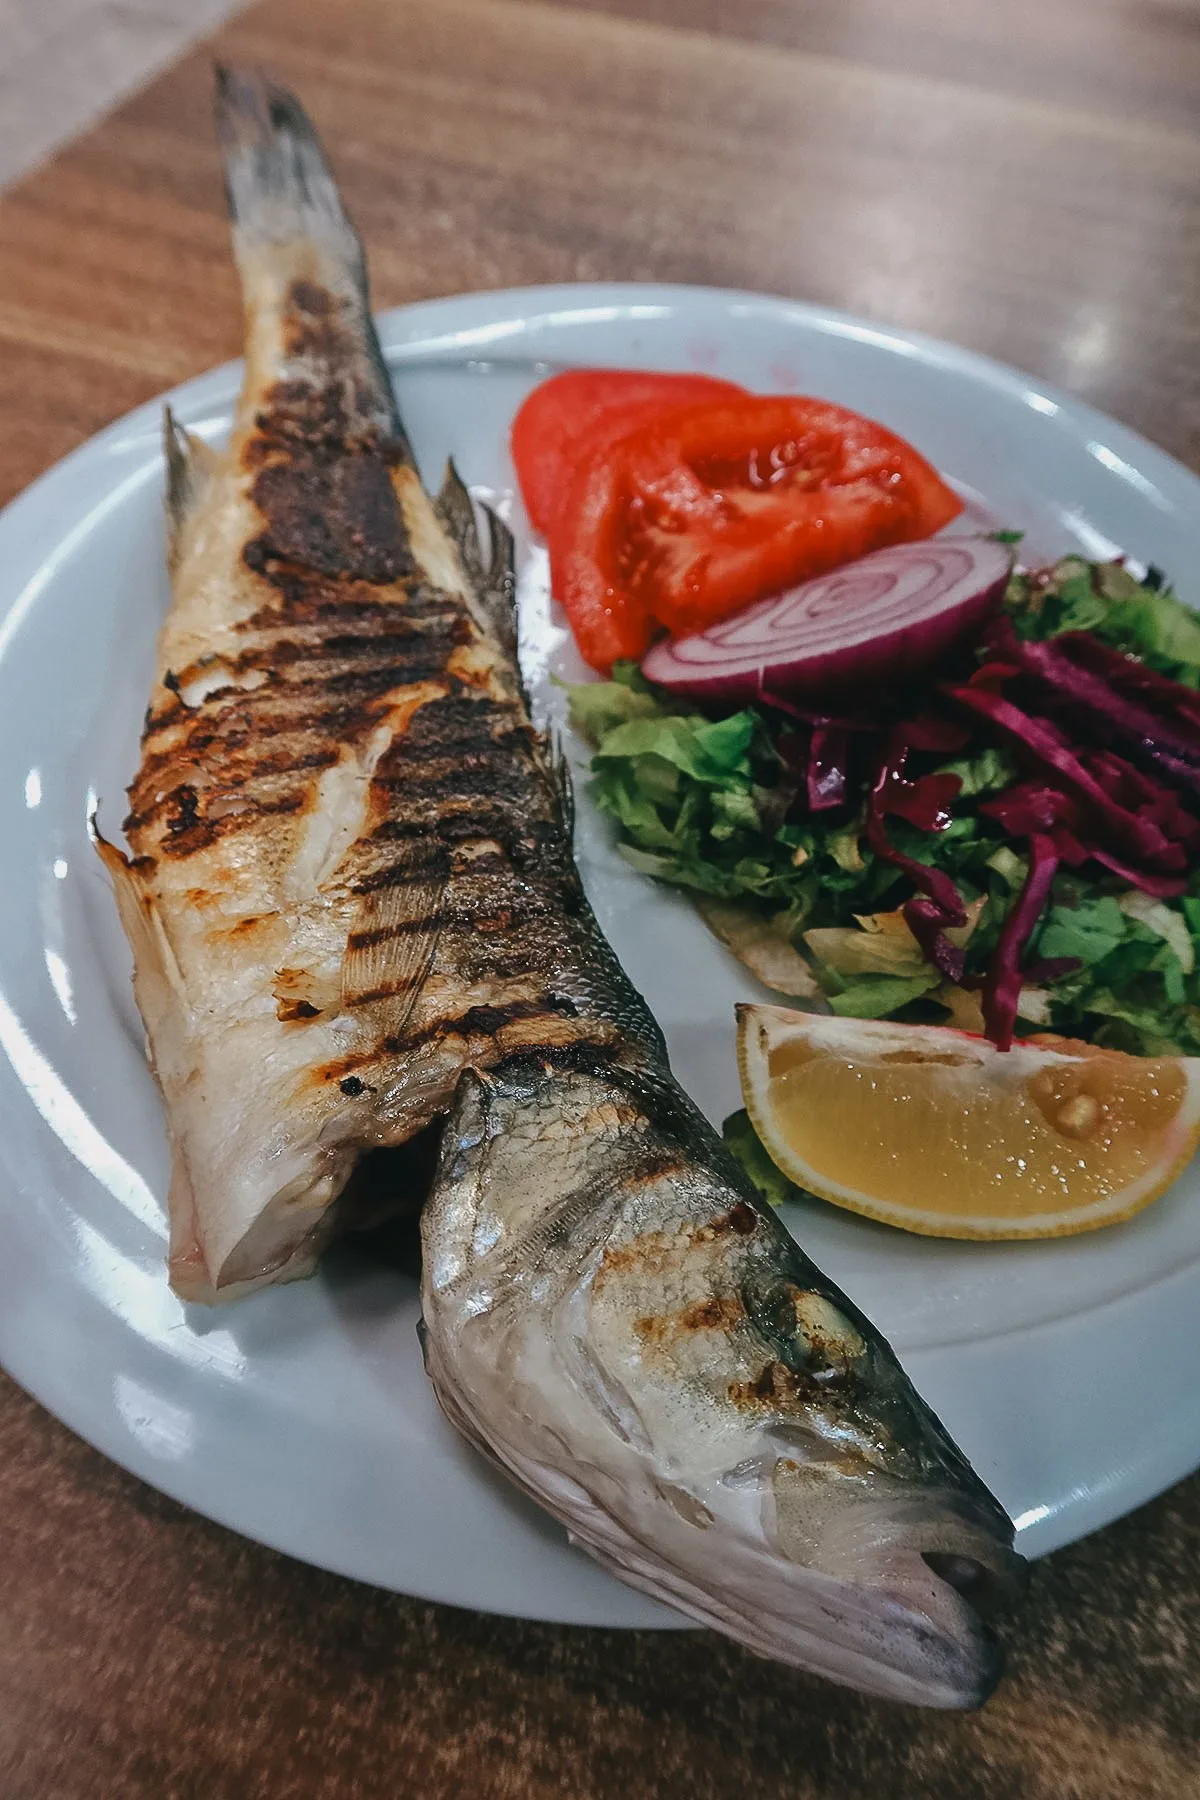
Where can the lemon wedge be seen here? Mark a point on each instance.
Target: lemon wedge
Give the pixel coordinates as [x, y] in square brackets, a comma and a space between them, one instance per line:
[937, 1131]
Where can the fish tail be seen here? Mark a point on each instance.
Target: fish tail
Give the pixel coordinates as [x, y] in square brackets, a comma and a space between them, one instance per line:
[279, 185]
[297, 251]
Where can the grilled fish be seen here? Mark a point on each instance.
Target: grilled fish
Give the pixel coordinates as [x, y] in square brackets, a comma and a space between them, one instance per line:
[340, 795]
[354, 908]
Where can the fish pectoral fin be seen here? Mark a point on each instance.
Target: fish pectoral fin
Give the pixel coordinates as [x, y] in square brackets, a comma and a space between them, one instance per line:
[395, 934]
[499, 585]
[153, 954]
[191, 464]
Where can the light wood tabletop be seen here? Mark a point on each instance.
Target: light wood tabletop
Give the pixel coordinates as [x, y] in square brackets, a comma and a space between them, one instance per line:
[1023, 179]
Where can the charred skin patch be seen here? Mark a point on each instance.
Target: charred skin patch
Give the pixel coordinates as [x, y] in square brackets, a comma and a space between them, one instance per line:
[718, 1312]
[322, 465]
[338, 518]
[779, 1389]
[527, 1027]
[323, 482]
[329, 645]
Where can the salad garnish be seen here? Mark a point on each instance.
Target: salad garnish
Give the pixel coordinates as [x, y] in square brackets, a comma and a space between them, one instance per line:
[1008, 845]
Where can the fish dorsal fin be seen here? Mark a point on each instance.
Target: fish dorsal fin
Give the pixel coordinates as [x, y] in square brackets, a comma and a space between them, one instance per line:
[191, 465]
[456, 510]
[501, 572]
[494, 577]
[564, 786]
[395, 934]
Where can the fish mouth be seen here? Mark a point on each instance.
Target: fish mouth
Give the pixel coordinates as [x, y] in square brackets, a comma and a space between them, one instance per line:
[988, 1590]
[906, 1577]
[935, 1607]
[896, 1621]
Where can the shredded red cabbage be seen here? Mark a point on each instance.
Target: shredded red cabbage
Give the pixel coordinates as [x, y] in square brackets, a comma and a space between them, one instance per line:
[1090, 685]
[1160, 887]
[1110, 755]
[1002, 986]
[1131, 834]
[1176, 706]
[937, 905]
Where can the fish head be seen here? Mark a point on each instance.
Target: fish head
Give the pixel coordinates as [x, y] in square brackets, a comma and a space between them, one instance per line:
[617, 1320]
[909, 1555]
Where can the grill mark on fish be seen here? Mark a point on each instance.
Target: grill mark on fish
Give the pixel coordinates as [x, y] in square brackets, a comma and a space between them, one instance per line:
[323, 483]
[304, 600]
[656, 1250]
[222, 732]
[387, 990]
[476, 777]
[368, 940]
[571, 1032]
[477, 1021]
[390, 648]
[188, 833]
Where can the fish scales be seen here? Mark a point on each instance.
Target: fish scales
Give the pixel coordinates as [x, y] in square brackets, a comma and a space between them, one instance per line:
[354, 910]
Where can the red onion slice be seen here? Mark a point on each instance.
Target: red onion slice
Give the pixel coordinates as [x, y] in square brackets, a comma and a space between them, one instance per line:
[870, 623]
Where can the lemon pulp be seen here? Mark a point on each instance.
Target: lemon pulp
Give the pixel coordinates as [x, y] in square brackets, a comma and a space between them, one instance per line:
[936, 1135]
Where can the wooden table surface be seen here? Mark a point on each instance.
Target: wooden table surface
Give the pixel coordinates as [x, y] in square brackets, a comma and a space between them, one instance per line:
[1024, 178]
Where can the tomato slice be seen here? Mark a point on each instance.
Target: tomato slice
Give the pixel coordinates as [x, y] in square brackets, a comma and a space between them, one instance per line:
[608, 622]
[548, 432]
[688, 520]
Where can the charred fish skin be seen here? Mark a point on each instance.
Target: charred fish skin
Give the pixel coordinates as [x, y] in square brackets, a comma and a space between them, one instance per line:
[345, 842]
[614, 1318]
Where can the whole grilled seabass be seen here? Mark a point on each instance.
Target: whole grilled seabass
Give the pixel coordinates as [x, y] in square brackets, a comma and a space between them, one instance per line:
[354, 909]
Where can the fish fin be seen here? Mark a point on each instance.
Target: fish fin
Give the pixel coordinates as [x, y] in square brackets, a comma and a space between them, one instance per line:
[564, 787]
[494, 580]
[456, 510]
[278, 183]
[395, 935]
[285, 204]
[191, 465]
[499, 588]
[502, 570]
[153, 954]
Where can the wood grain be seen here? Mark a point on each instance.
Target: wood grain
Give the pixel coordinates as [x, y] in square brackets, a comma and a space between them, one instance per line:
[1023, 178]
[489, 142]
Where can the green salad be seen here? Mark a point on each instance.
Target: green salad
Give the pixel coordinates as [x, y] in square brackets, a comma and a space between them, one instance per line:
[712, 802]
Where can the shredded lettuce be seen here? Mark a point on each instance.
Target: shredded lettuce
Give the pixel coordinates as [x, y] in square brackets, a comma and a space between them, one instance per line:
[747, 1147]
[878, 996]
[1142, 618]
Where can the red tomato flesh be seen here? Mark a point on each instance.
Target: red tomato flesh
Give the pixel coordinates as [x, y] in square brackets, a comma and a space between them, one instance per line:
[684, 521]
[549, 431]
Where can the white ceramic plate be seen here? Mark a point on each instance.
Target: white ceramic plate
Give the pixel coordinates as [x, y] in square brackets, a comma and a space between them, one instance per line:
[1069, 1372]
